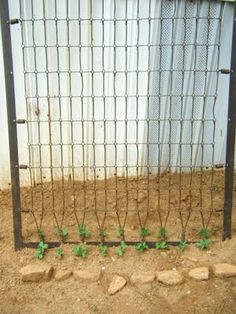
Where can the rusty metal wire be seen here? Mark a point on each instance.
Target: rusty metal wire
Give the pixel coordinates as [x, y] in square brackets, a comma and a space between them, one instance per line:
[157, 93]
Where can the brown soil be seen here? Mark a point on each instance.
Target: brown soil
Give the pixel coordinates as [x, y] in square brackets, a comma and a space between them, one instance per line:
[70, 296]
[146, 202]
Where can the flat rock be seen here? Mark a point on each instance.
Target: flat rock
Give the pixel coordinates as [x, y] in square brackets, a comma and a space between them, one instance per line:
[170, 277]
[36, 273]
[200, 273]
[88, 275]
[142, 278]
[116, 284]
[62, 274]
[224, 270]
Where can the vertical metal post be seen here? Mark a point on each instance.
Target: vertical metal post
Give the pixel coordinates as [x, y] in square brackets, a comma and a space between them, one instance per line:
[11, 112]
[230, 148]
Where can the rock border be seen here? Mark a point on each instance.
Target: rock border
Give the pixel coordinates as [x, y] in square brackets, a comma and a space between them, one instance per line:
[43, 272]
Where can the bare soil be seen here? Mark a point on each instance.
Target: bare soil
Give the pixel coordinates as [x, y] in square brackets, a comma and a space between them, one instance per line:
[182, 204]
[71, 296]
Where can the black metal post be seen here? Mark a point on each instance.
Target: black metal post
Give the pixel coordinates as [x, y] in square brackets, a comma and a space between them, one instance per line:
[230, 148]
[11, 112]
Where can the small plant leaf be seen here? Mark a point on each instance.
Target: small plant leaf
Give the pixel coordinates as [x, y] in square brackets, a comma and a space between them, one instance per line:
[120, 231]
[80, 250]
[41, 235]
[161, 233]
[120, 251]
[182, 245]
[204, 233]
[103, 249]
[143, 232]
[83, 231]
[162, 245]
[141, 246]
[59, 251]
[203, 244]
[63, 233]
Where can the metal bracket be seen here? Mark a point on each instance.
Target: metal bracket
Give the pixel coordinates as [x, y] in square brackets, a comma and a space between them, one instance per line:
[226, 71]
[13, 21]
[24, 167]
[20, 121]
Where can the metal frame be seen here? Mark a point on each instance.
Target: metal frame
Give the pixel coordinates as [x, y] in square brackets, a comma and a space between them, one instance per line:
[230, 149]
[11, 112]
[12, 128]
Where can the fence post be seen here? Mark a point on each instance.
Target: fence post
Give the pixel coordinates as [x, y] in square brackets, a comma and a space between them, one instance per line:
[230, 146]
[11, 113]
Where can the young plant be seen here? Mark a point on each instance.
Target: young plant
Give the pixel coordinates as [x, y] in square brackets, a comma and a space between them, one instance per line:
[40, 252]
[41, 235]
[143, 232]
[182, 245]
[103, 233]
[80, 250]
[141, 246]
[204, 233]
[83, 231]
[203, 244]
[123, 246]
[162, 245]
[103, 249]
[62, 233]
[59, 251]
[161, 233]
[120, 232]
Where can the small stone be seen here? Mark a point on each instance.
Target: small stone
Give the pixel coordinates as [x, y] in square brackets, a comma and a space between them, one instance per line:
[200, 273]
[116, 285]
[170, 277]
[224, 270]
[62, 274]
[36, 273]
[145, 277]
[89, 275]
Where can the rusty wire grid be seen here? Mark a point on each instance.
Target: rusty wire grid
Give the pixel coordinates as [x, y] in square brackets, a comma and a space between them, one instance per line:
[120, 116]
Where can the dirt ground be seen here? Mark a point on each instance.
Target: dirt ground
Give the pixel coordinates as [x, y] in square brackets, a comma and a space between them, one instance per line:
[130, 203]
[71, 296]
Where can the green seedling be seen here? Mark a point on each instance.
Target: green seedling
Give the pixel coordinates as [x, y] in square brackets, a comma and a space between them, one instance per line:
[59, 251]
[203, 244]
[63, 233]
[103, 249]
[120, 251]
[120, 232]
[182, 245]
[40, 252]
[41, 235]
[141, 246]
[204, 233]
[83, 231]
[80, 250]
[103, 233]
[162, 245]
[161, 233]
[143, 232]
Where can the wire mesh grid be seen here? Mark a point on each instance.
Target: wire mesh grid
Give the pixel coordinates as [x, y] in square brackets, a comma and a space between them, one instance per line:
[120, 116]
